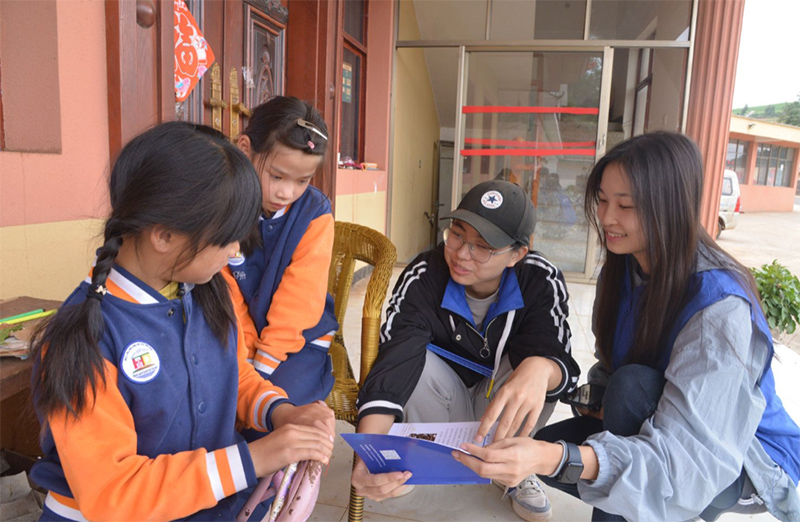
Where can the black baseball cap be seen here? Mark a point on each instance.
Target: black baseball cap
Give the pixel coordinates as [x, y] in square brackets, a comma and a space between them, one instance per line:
[500, 211]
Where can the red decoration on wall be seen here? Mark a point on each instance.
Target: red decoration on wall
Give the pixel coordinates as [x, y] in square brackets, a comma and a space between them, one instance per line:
[193, 56]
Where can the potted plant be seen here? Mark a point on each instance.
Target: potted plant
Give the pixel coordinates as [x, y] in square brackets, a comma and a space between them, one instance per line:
[780, 298]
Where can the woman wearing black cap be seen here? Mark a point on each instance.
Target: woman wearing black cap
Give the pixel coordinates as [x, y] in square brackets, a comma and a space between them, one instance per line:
[475, 330]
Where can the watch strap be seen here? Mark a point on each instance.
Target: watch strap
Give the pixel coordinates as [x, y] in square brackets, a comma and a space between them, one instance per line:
[563, 458]
[570, 470]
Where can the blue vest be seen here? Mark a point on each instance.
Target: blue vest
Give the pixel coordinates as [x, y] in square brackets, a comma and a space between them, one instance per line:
[261, 272]
[777, 432]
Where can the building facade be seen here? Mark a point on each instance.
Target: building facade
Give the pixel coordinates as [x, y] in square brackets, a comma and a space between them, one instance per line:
[433, 96]
[766, 159]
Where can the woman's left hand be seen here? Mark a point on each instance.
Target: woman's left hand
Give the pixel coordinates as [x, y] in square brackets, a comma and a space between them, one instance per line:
[508, 461]
[521, 396]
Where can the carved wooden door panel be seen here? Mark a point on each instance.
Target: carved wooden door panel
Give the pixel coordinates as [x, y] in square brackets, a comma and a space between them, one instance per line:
[248, 38]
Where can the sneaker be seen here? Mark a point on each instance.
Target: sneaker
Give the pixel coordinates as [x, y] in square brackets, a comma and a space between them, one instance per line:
[529, 500]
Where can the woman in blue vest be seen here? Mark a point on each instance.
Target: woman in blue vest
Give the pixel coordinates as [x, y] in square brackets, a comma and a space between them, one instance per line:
[690, 423]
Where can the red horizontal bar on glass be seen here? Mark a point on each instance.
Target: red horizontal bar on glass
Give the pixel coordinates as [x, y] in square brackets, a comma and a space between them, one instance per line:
[528, 152]
[529, 144]
[473, 109]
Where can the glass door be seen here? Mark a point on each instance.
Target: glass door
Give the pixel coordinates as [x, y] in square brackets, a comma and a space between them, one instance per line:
[535, 118]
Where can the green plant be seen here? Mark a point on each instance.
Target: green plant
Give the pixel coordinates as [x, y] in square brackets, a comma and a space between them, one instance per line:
[780, 296]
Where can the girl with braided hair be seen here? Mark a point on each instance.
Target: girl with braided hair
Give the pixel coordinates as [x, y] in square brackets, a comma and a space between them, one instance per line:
[141, 379]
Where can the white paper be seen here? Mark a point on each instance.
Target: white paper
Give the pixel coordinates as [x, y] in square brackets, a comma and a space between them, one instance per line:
[450, 434]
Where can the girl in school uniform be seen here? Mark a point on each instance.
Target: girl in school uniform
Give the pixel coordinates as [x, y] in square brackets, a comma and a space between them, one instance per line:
[690, 424]
[141, 379]
[281, 273]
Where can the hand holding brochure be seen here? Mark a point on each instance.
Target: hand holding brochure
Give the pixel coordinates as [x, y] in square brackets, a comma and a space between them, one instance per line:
[424, 449]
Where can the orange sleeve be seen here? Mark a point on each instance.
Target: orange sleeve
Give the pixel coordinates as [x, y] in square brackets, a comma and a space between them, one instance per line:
[299, 301]
[242, 312]
[110, 481]
[257, 396]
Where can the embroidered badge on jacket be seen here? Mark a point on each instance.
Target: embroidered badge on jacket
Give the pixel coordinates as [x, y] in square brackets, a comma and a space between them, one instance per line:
[140, 362]
[236, 260]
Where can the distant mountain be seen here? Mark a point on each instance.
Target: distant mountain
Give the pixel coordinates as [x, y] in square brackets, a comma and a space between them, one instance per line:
[770, 113]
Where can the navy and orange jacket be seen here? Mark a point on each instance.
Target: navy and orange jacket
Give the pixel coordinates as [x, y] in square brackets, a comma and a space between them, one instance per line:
[282, 297]
[160, 441]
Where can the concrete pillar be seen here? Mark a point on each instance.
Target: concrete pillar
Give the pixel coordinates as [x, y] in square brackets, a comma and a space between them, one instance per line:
[716, 51]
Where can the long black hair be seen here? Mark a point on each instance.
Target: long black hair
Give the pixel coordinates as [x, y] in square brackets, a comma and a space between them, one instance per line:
[291, 122]
[187, 178]
[665, 170]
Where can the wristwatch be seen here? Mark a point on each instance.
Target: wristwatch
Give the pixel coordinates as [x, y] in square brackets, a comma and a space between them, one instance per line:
[571, 467]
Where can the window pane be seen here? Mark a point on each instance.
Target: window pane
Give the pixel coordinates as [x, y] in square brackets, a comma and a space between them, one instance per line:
[779, 173]
[761, 164]
[741, 161]
[351, 105]
[664, 102]
[640, 20]
[354, 19]
[541, 19]
[727, 187]
[442, 20]
[644, 64]
[640, 111]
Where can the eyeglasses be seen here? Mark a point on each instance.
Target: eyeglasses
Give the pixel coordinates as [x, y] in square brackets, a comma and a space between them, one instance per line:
[479, 253]
[310, 126]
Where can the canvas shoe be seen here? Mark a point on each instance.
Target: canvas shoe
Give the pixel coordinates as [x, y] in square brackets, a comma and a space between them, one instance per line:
[529, 500]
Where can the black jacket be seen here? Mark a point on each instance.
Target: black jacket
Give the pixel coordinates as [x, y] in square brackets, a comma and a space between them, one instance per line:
[427, 306]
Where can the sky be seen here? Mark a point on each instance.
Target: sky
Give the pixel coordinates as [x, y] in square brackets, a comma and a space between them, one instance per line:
[769, 53]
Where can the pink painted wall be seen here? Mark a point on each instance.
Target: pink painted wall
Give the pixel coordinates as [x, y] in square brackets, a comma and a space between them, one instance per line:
[759, 198]
[349, 181]
[380, 42]
[29, 55]
[42, 188]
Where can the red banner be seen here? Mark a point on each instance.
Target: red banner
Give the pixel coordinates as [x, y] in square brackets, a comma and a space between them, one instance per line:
[193, 56]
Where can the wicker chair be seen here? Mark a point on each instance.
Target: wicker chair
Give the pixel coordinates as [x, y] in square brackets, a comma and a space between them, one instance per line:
[356, 243]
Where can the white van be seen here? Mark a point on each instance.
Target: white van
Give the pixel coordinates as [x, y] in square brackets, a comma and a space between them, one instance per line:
[730, 203]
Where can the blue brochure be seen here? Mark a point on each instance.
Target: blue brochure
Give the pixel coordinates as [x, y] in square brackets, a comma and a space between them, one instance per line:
[424, 449]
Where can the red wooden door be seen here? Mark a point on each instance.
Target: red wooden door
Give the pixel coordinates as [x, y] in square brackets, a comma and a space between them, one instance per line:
[248, 38]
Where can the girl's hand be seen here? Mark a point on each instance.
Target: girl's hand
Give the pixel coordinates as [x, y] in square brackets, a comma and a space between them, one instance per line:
[290, 443]
[316, 414]
[379, 486]
[511, 460]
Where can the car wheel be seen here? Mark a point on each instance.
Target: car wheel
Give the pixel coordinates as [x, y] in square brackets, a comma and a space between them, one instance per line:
[720, 227]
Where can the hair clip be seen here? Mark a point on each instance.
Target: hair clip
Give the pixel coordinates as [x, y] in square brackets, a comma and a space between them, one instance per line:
[310, 126]
[311, 145]
[96, 292]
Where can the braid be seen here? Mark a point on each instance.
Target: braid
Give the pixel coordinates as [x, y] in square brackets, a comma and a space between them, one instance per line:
[73, 359]
[105, 260]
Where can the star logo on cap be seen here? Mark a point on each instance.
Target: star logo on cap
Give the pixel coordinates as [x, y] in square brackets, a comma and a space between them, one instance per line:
[492, 199]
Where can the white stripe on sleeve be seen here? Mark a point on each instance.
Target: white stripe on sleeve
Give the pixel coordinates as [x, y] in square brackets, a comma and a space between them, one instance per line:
[213, 476]
[237, 468]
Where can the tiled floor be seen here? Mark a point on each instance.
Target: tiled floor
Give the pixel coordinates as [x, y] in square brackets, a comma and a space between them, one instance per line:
[482, 503]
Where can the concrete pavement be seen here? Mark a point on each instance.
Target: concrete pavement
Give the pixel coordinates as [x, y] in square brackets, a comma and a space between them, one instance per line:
[761, 237]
